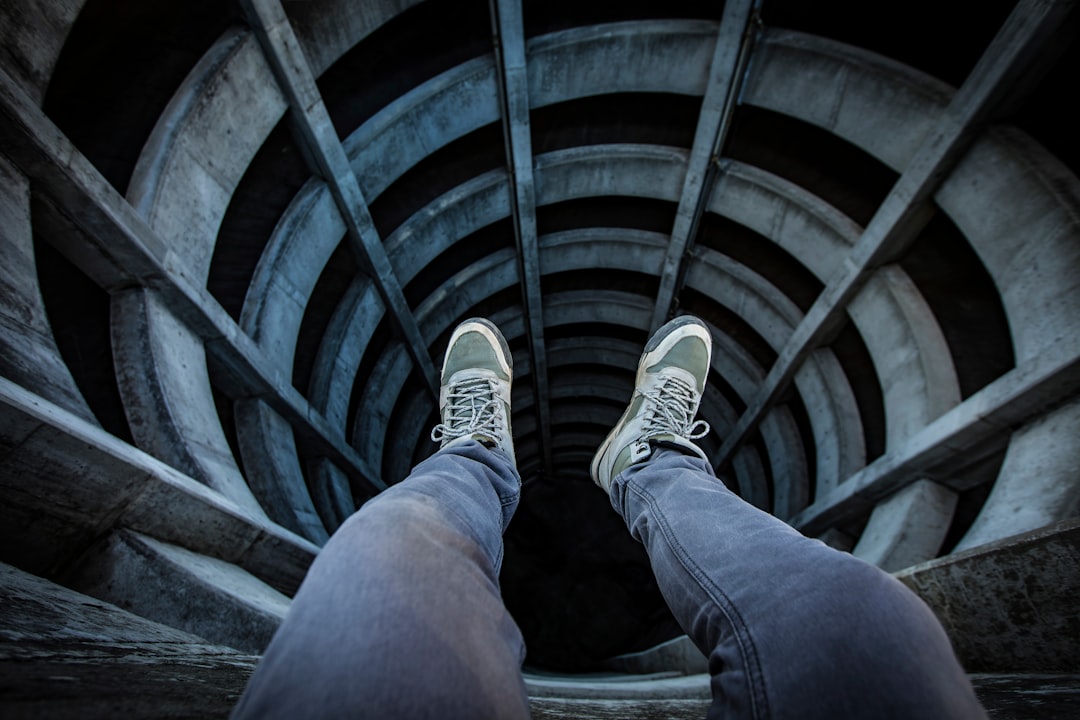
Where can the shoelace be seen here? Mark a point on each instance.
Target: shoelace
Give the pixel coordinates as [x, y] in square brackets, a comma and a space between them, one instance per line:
[472, 406]
[672, 411]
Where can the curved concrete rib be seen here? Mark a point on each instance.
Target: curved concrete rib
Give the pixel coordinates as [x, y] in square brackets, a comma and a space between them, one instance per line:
[1023, 219]
[423, 120]
[202, 145]
[268, 448]
[376, 402]
[288, 269]
[919, 384]
[834, 416]
[875, 103]
[663, 56]
[1019, 207]
[28, 352]
[1038, 483]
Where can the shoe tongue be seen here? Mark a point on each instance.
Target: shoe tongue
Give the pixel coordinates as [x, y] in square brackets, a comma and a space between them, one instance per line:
[468, 374]
[659, 373]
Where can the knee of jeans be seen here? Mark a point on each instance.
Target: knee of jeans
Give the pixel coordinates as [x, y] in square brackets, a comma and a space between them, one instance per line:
[395, 506]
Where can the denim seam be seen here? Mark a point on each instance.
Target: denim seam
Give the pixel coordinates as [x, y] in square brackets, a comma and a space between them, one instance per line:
[742, 634]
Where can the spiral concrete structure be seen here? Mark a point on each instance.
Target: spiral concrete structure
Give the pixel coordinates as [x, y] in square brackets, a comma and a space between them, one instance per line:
[237, 238]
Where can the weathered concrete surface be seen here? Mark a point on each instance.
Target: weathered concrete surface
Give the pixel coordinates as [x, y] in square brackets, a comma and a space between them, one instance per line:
[877, 104]
[205, 596]
[669, 56]
[201, 146]
[66, 655]
[983, 419]
[644, 697]
[1017, 205]
[268, 447]
[1039, 480]
[1029, 697]
[908, 527]
[160, 366]
[32, 33]
[1011, 605]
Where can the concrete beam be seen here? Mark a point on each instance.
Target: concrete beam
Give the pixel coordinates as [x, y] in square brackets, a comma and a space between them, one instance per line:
[1017, 47]
[317, 135]
[734, 41]
[987, 416]
[510, 64]
[104, 236]
[211, 598]
[65, 482]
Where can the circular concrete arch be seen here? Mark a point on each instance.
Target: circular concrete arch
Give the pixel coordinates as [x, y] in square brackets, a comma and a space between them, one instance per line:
[436, 213]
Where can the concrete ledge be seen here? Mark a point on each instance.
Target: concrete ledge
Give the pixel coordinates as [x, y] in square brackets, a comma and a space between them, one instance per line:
[619, 686]
[65, 655]
[1010, 605]
[1011, 696]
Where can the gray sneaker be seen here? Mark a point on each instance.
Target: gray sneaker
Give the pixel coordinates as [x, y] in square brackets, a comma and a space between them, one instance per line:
[671, 377]
[474, 397]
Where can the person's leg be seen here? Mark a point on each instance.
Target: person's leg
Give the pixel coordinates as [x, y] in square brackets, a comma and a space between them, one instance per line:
[791, 627]
[400, 615]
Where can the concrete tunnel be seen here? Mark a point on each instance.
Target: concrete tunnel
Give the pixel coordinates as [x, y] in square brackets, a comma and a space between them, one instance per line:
[237, 236]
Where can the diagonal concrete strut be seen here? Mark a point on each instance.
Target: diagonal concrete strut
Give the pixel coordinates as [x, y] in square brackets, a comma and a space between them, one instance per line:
[734, 44]
[510, 63]
[282, 50]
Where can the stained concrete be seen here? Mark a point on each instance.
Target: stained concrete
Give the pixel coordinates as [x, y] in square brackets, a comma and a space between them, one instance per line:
[66, 655]
[1010, 605]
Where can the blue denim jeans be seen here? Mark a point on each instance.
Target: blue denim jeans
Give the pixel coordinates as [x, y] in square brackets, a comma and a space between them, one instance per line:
[401, 616]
